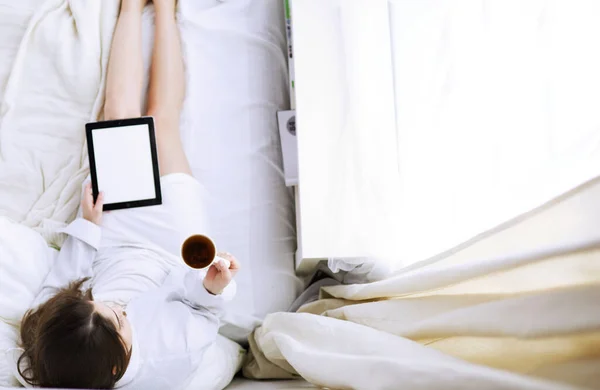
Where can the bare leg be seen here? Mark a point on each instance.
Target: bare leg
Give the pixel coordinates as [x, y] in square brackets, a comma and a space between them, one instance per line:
[125, 68]
[167, 89]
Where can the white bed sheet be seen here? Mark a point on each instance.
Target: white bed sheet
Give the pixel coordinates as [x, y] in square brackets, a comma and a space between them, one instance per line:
[237, 81]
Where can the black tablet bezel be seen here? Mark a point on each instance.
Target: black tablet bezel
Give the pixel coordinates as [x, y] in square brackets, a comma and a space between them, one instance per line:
[90, 127]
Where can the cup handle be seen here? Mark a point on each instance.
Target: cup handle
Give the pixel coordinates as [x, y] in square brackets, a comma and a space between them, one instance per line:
[224, 260]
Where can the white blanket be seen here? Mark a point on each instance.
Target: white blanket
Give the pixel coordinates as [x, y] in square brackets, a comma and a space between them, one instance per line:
[525, 316]
[44, 111]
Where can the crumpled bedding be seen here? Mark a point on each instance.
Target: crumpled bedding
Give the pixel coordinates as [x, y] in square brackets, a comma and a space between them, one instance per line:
[516, 309]
[52, 84]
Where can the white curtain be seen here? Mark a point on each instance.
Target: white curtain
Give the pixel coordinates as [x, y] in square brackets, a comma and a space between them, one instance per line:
[496, 110]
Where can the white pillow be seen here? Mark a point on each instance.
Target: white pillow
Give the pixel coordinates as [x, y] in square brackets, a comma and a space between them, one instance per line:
[219, 365]
[8, 340]
[25, 259]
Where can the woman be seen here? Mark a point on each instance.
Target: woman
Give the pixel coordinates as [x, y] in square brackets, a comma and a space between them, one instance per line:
[69, 339]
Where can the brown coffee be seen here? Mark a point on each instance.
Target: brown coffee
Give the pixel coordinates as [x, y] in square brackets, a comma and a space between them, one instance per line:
[198, 251]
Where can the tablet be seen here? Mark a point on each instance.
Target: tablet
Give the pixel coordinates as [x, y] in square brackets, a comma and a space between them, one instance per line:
[124, 163]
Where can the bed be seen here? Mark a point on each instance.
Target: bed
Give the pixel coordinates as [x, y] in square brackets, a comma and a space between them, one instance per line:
[504, 295]
[53, 58]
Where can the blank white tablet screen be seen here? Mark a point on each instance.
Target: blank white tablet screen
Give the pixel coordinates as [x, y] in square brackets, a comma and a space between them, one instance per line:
[124, 163]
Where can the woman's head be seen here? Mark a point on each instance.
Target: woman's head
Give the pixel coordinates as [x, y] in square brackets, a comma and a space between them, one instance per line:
[73, 342]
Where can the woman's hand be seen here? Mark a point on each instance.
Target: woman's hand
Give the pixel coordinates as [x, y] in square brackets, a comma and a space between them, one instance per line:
[219, 276]
[92, 212]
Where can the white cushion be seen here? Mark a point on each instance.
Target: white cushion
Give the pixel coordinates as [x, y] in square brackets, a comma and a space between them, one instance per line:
[25, 259]
[219, 365]
[8, 340]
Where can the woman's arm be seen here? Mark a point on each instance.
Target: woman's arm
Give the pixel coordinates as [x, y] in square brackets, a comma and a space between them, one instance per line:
[184, 314]
[204, 292]
[75, 259]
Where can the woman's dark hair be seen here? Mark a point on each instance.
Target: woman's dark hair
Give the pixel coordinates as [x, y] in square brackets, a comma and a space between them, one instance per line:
[68, 344]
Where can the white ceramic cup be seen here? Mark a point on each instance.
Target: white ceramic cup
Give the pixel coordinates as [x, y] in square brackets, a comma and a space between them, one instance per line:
[200, 252]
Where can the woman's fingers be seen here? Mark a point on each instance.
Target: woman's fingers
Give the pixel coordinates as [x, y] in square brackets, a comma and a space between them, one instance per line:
[222, 267]
[99, 202]
[212, 272]
[86, 199]
[92, 211]
[234, 263]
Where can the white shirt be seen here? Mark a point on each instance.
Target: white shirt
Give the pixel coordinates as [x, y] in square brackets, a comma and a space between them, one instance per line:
[172, 325]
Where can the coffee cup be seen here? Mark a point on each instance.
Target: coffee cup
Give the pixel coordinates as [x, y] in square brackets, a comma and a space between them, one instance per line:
[200, 252]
